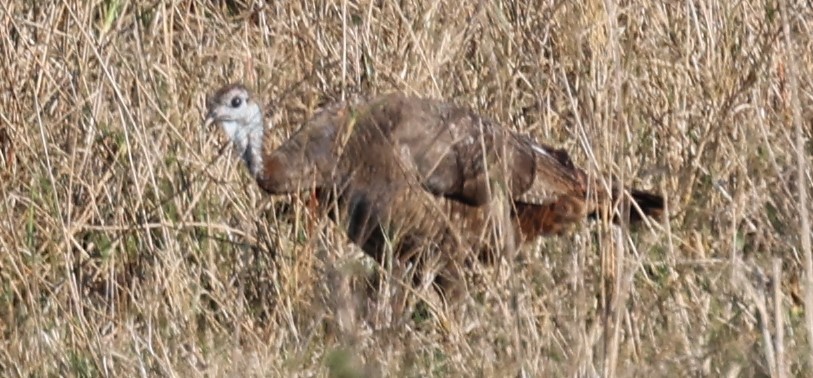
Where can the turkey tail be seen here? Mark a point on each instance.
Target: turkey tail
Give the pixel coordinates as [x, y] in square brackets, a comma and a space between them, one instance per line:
[650, 204]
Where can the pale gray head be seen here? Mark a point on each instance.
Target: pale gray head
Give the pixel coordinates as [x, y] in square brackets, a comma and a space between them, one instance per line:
[241, 118]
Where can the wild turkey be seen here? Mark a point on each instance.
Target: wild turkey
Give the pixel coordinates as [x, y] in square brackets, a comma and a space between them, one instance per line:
[427, 178]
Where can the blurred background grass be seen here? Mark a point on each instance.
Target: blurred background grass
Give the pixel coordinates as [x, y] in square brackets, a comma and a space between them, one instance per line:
[130, 245]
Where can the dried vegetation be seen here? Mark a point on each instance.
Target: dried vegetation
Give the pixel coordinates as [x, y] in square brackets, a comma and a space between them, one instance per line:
[129, 245]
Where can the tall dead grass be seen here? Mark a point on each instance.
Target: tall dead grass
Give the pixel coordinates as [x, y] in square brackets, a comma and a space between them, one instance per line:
[130, 246]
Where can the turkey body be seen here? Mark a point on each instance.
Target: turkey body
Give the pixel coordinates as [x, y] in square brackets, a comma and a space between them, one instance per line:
[426, 179]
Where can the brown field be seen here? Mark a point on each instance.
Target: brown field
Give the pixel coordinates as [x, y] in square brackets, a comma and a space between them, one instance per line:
[131, 244]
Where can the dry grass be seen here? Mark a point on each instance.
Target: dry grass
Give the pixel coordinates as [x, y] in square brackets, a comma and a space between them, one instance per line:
[129, 246]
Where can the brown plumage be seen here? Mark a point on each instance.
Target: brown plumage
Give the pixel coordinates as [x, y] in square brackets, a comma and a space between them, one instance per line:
[426, 177]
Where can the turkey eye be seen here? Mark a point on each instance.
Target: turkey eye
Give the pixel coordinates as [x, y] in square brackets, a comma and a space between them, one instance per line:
[236, 102]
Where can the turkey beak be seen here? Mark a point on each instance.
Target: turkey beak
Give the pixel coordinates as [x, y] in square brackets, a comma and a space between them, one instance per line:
[210, 119]
[211, 114]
